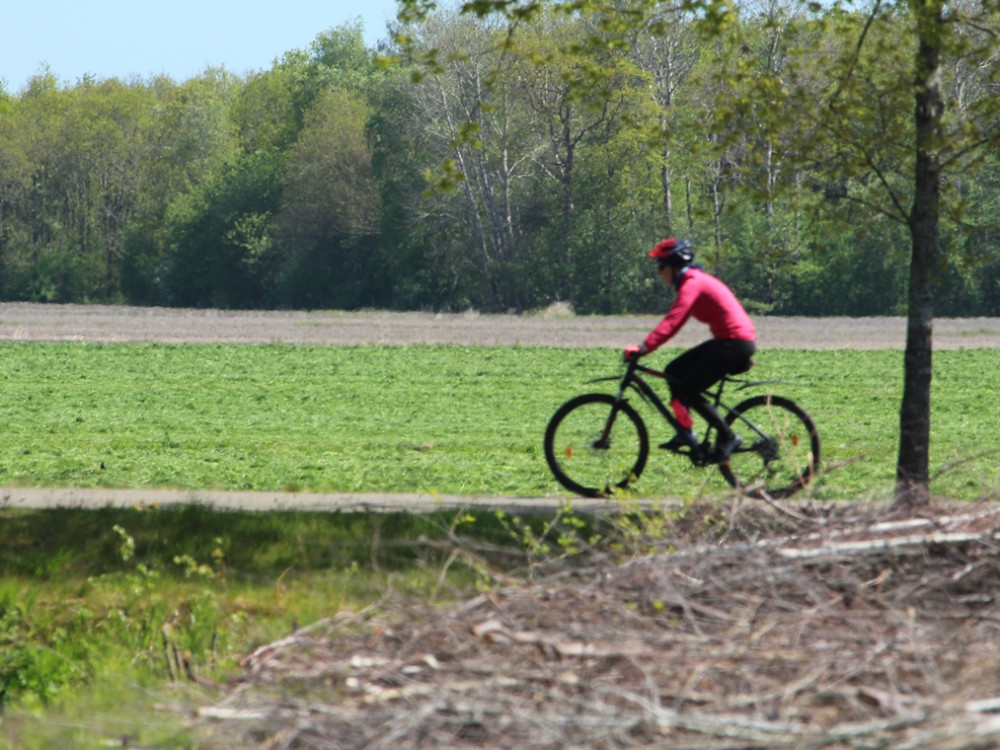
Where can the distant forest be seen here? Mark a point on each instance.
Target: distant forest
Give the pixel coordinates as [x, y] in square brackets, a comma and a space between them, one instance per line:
[481, 178]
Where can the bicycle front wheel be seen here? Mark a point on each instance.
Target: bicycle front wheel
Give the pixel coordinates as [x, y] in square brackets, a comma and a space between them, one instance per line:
[780, 450]
[595, 445]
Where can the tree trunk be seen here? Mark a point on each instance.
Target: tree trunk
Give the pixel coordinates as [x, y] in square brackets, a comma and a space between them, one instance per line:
[665, 185]
[566, 179]
[668, 208]
[913, 465]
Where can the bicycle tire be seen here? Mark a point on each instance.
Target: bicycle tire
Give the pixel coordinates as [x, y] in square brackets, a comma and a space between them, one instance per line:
[780, 455]
[575, 453]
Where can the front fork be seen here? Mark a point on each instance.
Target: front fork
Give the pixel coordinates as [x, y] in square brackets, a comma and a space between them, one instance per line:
[604, 441]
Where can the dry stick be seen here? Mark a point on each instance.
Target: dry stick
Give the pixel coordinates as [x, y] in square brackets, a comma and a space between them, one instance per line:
[256, 659]
[845, 550]
[167, 655]
[956, 464]
[878, 649]
[733, 727]
[782, 510]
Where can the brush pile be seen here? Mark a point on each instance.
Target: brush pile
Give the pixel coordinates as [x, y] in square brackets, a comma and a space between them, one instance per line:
[805, 627]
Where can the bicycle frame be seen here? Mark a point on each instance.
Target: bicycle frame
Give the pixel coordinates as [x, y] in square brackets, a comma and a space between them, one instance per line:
[632, 379]
[598, 443]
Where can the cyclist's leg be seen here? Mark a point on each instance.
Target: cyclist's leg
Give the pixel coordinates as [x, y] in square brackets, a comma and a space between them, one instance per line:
[687, 377]
[729, 356]
[701, 368]
[739, 354]
[679, 372]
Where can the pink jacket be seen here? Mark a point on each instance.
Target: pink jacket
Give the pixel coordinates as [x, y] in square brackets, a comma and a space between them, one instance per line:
[709, 300]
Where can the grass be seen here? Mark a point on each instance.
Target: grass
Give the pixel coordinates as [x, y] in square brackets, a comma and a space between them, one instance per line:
[96, 606]
[450, 420]
[261, 417]
[101, 610]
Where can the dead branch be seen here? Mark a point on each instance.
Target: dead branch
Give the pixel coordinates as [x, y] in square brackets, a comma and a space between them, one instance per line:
[847, 632]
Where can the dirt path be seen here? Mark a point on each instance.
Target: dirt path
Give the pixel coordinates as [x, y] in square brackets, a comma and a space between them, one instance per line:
[41, 498]
[106, 323]
[109, 324]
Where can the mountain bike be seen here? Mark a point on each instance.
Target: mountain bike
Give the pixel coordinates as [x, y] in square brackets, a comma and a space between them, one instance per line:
[597, 444]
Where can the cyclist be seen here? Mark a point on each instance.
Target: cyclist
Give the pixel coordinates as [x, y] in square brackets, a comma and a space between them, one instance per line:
[710, 301]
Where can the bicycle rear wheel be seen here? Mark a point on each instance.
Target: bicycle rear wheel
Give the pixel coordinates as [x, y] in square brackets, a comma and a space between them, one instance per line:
[594, 446]
[780, 450]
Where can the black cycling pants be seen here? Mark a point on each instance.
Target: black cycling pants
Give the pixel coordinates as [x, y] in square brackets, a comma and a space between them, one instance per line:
[704, 365]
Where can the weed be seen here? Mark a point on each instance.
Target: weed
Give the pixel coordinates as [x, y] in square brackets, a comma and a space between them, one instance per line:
[164, 594]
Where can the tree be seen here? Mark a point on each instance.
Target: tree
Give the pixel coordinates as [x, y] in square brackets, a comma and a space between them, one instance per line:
[192, 141]
[73, 186]
[899, 52]
[469, 119]
[221, 248]
[913, 465]
[667, 47]
[877, 60]
[328, 202]
[568, 118]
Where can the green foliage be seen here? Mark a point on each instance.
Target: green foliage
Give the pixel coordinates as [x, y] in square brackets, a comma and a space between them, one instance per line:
[104, 612]
[330, 211]
[542, 148]
[222, 253]
[564, 535]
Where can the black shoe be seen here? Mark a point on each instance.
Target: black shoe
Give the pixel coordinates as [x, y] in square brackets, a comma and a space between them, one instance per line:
[681, 440]
[724, 448]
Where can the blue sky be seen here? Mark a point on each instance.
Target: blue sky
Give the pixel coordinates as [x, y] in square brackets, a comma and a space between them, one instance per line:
[179, 38]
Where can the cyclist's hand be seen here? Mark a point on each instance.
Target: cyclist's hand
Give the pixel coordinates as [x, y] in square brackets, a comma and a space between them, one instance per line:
[632, 351]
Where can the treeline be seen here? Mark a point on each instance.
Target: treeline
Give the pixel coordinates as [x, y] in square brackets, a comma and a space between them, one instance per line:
[481, 177]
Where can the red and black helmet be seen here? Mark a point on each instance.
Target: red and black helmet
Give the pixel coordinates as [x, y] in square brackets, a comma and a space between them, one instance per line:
[673, 252]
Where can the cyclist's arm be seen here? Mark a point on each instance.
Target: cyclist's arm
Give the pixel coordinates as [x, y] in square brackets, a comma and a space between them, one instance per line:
[673, 321]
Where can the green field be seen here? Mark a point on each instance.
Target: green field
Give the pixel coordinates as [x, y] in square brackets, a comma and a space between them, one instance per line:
[93, 603]
[450, 420]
